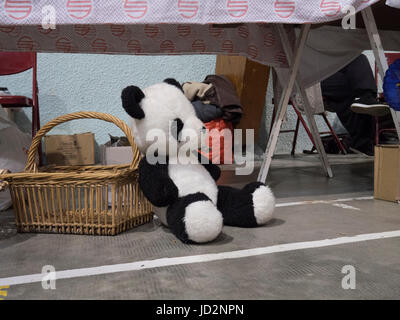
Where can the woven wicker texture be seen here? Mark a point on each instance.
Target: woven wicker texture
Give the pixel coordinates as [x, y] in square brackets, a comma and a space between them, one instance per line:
[92, 200]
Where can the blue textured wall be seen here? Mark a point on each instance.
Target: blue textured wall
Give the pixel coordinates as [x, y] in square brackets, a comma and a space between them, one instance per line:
[76, 82]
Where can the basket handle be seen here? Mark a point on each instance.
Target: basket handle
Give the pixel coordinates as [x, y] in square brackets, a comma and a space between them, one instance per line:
[31, 163]
[3, 183]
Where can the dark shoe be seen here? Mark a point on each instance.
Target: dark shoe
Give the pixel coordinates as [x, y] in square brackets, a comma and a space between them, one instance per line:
[368, 104]
[389, 138]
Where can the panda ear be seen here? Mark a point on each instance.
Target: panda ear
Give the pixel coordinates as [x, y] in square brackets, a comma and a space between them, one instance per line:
[131, 97]
[173, 82]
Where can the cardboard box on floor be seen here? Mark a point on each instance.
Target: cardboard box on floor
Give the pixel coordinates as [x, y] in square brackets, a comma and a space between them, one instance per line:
[70, 150]
[387, 173]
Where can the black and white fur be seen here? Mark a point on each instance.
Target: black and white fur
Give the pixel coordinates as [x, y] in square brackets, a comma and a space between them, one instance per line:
[186, 197]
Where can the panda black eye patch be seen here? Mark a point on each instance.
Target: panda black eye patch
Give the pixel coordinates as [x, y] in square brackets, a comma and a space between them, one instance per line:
[131, 97]
[176, 128]
[173, 82]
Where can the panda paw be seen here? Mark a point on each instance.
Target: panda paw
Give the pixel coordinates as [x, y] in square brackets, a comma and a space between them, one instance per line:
[194, 219]
[203, 221]
[263, 202]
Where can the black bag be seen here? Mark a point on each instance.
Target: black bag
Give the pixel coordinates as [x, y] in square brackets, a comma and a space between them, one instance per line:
[331, 146]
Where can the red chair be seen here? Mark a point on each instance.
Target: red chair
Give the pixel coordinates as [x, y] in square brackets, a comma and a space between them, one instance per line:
[300, 118]
[17, 62]
[390, 57]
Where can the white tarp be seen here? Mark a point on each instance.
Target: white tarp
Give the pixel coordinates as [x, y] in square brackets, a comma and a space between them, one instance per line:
[393, 3]
[14, 145]
[329, 49]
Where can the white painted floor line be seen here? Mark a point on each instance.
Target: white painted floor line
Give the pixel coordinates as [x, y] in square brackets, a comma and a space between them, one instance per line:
[163, 262]
[345, 206]
[300, 203]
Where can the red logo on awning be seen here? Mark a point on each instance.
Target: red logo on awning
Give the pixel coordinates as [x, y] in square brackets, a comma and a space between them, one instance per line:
[99, 45]
[85, 30]
[188, 9]
[237, 8]
[269, 39]
[284, 9]
[79, 9]
[184, 30]
[135, 9]
[252, 50]
[26, 43]
[330, 8]
[215, 31]
[117, 30]
[243, 31]
[280, 58]
[198, 45]
[151, 31]
[167, 46]
[227, 46]
[134, 46]
[7, 29]
[64, 45]
[51, 33]
[18, 9]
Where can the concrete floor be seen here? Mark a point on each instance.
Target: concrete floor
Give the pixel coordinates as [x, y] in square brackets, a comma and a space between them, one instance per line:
[345, 209]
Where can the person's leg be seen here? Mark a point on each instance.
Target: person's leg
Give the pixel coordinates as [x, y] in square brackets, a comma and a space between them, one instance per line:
[336, 88]
[362, 82]
[338, 92]
[361, 128]
[360, 77]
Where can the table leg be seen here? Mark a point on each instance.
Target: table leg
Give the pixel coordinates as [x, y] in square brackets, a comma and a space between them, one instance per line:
[307, 104]
[283, 105]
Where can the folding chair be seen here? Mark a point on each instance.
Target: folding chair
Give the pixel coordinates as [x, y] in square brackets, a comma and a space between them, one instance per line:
[314, 94]
[17, 62]
[300, 119]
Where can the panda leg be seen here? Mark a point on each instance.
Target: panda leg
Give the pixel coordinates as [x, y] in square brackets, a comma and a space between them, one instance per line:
[194, 219]
[248, 207]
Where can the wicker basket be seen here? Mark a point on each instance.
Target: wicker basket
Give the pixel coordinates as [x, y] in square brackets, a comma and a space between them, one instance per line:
[91, 200]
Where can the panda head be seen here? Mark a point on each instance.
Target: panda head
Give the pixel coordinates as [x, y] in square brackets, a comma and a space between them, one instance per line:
[163, 118]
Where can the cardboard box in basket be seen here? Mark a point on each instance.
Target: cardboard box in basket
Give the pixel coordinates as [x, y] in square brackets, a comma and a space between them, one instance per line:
[70, 150]
[387, 173]
[115, 155]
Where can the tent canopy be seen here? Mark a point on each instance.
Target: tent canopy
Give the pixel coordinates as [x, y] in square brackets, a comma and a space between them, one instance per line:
[237, 27]
[386, 18]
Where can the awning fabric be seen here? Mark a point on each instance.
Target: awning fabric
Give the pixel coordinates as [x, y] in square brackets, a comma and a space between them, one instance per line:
[237, 27]
[172, 27]
[176, 11]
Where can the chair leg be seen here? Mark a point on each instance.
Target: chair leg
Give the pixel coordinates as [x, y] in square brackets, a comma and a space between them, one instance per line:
[35, 129]
[303, 122]
[333, 133]
[272, 119]
[33, 121]
[377, 131]
[40, 150]
[296, 132]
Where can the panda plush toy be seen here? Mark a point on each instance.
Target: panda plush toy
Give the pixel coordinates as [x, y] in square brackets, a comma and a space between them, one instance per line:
[185, 196]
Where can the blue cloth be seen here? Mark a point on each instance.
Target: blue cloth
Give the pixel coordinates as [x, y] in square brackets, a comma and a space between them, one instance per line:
[206, 112]
[391, 88]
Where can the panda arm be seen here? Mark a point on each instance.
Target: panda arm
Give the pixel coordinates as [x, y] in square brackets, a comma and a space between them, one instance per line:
[156, 184]
[212, 169]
